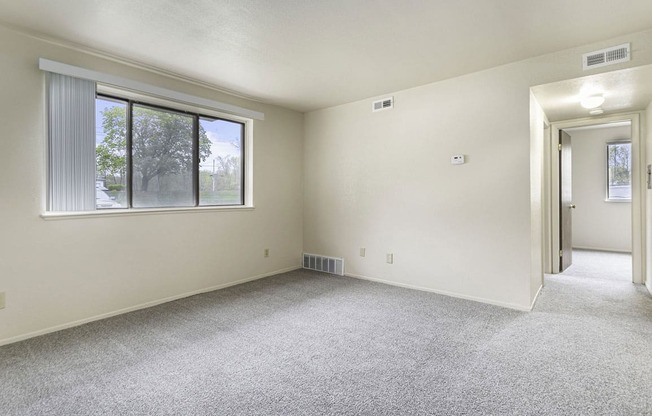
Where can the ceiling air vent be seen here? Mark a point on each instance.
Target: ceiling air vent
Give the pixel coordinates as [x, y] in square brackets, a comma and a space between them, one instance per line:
[604, 57]
[384, 104]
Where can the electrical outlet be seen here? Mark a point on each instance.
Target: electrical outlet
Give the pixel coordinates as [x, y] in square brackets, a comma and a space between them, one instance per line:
[266, 252]
[363, 252]
[2, 300]
[390, 258]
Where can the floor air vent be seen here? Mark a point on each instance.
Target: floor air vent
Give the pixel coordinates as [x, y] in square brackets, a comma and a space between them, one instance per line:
[384, 104]
[334, 265]
[604, 57]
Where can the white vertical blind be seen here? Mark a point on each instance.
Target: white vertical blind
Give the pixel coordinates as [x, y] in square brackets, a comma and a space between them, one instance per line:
[71, 144]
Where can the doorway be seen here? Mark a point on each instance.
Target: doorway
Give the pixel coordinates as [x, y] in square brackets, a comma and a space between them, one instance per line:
[633, 207]
[595, 201]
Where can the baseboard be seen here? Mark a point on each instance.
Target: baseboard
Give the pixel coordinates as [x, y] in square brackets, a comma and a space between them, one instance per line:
[534, 301]
[648, 285]
[609, 250]
[444, 292]
[140, 306]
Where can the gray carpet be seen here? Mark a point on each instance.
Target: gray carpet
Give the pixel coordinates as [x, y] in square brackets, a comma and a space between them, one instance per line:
[601, 265]
[305, 343]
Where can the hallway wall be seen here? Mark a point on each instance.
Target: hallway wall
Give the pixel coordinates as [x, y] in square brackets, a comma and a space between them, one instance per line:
[597, 224]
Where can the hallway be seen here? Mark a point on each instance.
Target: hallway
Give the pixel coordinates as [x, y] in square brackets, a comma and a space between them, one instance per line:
[601, 265]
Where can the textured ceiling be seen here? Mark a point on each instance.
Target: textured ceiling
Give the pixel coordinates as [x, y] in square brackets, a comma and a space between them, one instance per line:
[623, 90]
[308, 54]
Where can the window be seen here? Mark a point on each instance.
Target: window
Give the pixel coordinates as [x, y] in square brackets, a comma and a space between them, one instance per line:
[619, 171]
[164, 143]
[142, 155]
[220, 173]
[162, 147]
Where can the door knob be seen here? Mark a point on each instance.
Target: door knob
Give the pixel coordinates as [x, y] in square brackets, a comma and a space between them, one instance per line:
[572, 206]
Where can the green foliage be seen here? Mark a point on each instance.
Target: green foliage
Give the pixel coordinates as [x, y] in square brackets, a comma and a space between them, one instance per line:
[620, 162]
[161, 144]
[226, 175]
[110, 154]
[116, 187]
[222, 185]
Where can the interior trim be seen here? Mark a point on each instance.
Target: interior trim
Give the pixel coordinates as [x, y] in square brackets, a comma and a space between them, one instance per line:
[78, 72]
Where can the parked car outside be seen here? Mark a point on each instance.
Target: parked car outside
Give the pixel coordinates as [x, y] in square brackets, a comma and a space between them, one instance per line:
[103, 200]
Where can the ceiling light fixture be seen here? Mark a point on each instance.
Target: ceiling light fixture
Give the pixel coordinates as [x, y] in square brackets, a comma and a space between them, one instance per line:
[593, 101]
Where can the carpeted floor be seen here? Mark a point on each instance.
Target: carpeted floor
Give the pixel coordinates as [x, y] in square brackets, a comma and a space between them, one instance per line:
[601, 265]
[305, 343]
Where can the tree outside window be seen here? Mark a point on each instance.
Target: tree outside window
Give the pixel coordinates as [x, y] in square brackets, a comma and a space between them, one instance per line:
[162, 153]
[619, 171]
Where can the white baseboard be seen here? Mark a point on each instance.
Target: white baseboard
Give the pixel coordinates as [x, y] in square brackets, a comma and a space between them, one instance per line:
[140, 306]
[534, 301]
[611, 250]
[446, 293]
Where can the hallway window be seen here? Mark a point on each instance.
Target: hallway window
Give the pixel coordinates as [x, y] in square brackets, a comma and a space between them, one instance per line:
[619, 171]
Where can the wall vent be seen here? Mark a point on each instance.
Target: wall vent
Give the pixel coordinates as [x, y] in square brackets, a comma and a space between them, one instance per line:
[384, 104]
[333, 265]
[604, 57]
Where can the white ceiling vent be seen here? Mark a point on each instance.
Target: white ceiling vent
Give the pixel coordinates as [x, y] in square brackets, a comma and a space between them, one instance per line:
[604, 57]
[384, 104]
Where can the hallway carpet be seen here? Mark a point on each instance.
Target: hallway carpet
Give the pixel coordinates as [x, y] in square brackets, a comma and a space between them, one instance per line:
[305, 343]
[601, 265]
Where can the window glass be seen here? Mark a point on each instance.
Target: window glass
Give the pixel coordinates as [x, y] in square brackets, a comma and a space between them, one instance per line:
[619, 171]
[110, 153]
[220, 167]
[143, 156]
[162, 154]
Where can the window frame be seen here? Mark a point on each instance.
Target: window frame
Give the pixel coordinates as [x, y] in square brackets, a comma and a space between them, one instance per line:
[104, 91]
[609, 143]
[196, 117]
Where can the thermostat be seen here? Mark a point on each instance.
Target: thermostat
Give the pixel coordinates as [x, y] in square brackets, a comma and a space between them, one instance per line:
[457, 160]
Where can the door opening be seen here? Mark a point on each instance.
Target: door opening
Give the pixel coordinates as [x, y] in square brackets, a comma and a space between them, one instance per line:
[605, 230]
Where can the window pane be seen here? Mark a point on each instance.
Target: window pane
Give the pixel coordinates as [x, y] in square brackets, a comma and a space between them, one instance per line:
[162, 158]
[619, 162]
[220, 168]
[110, 153]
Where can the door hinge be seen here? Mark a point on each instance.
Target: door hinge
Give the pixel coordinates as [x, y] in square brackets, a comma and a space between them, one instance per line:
[559, 146]
[561, 253]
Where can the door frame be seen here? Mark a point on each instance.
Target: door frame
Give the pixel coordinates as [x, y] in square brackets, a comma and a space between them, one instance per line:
[638, 189]
[565, 206]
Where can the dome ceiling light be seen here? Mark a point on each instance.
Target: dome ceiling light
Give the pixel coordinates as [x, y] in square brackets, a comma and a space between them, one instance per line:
[592, 101]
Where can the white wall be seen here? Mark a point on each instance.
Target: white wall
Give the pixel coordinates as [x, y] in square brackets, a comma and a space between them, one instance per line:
[383, 181]
[597, 224]
[648, 195]
[538, 128]
[56, 272]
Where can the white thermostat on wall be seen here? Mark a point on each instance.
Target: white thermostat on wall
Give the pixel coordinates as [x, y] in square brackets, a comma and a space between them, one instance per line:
[457, 160]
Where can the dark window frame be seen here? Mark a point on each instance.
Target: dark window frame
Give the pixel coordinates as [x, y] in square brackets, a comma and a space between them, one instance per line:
[196, 116]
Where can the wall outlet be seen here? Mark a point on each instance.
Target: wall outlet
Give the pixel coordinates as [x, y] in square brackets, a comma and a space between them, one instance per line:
[266, 252]
[2, 300]
[363, 252]
[390, 258]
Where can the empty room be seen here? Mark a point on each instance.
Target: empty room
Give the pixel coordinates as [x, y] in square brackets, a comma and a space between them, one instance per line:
[339, 207]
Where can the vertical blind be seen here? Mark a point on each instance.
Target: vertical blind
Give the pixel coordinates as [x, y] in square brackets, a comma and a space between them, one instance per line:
[71, 143]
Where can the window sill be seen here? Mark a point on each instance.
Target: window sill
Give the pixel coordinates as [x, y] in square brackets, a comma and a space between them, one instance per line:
[120, 212]
[618, 201]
